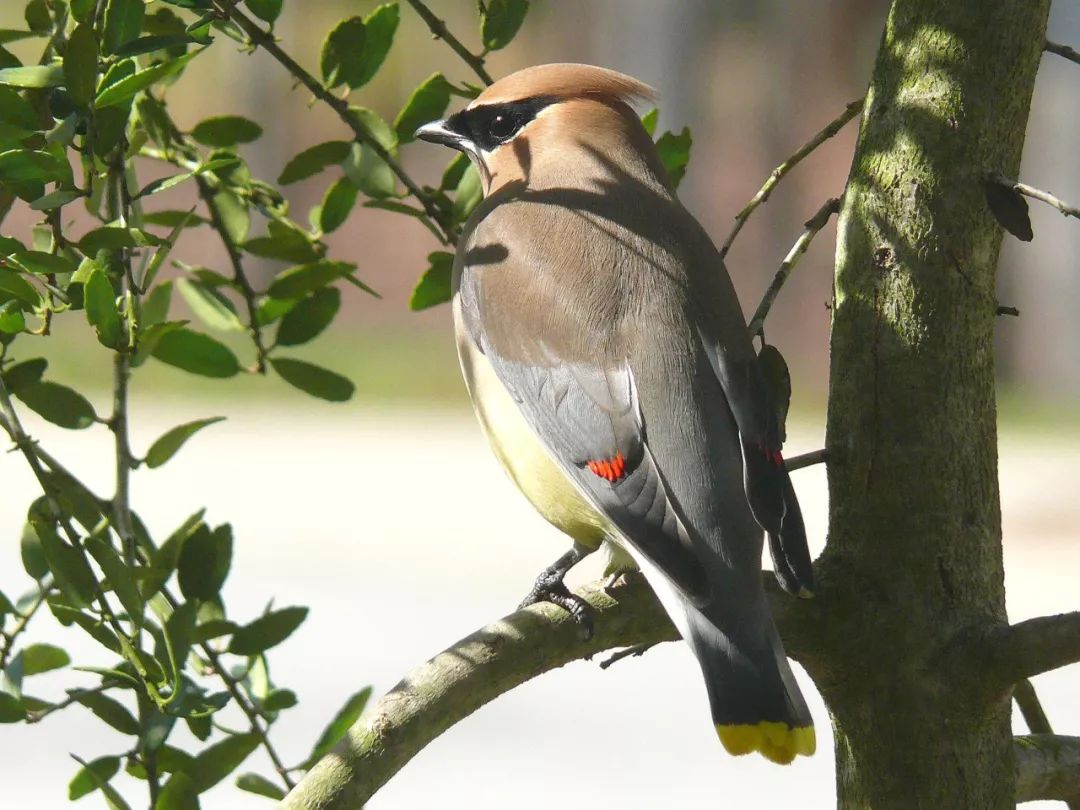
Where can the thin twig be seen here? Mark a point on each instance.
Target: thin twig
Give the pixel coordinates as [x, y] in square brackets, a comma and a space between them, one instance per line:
[1036, 194]
[1008, 311]
[239, 276]
[1063, 51]
[440, 31]
[630, 652]
[11, 636]
[73, 697]
[806, 460]
[1030, 707]
[265, 40]
[834, 126]
[813, 225]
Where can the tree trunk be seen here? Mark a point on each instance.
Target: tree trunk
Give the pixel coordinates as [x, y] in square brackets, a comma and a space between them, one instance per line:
[914, 563]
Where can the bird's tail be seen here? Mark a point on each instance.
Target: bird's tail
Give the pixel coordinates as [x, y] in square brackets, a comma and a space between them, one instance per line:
[756, 704]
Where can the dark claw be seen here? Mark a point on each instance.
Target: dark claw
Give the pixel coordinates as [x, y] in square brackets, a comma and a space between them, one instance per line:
[558, 594]
[549, 587]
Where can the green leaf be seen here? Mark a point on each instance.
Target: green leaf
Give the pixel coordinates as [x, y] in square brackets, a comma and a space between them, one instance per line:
[284, 243]
[313, 379]
[226, 130]
[211, 307]
[313, 160]
[99, 298]
[379, 26]
[117, 575]
[309, 317]
[80, 64]
[305, 278]
[112, 798]
[110, 711]
[127, 87]
[104, 768]
[11, 709]
[265, 10]
[649, 119]
[55, 199]
[16, 110]
[279, 699]
[155, 307]
[341, 60]
[24, 373]
[345, 718]
[433, 288]
[32, 553]
[12, 285]
[501, 22]
[33, 77]
[27, 165]
[259, 785]
[221, 759]
[267, 631]
[179, 793]
[369, 172]
[204, 562]
[674, 151]
[38, 658]
[38, 261]
[170, 442]
[58, 404]
[196, 353]
[468, 194]
[123, 22]
[337, 204]
[234, 215]
[113, 237]
[80, 9]
[162, 42]
[68, 564]
[427, 102]
[37, 16]
[12, 320]
[454, 171]
[171, 218]
[167, 557]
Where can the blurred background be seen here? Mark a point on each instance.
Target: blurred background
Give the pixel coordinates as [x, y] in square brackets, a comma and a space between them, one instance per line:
[326, 502]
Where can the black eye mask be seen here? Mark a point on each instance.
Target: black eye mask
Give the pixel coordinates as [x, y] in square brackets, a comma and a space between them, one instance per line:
[489, 125]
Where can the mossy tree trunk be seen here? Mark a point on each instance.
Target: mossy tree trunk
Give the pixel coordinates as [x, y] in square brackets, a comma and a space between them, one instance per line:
[914, 563]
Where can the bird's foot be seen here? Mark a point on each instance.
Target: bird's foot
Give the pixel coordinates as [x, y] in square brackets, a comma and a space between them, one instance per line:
[556, 592]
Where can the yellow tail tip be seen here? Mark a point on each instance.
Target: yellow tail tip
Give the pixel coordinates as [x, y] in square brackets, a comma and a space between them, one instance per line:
[777, 742]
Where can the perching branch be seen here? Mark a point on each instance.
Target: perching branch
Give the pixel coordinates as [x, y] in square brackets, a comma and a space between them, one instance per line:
[440, 31]
[834, 126]
[265, 40]
[1063, 51]
[1036, 194]
[813, 225]
[1047, 768]
[1034, 646]
[488, 663]
[806, 460]
[1030, 707]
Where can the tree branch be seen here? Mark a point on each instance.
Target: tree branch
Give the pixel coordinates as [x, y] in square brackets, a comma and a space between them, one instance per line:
[1063, 51]
[1037, 645]
[1036, 194]
[834, 126]
[486, 664]
[440, 31]
[813, 225]
[1047, 768]
[265, 40]
[806, 460]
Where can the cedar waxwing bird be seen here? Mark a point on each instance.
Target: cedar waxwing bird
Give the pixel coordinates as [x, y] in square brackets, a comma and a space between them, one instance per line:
[610, 365]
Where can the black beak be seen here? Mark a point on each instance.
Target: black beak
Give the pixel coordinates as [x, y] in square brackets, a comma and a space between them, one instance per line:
[438, 132]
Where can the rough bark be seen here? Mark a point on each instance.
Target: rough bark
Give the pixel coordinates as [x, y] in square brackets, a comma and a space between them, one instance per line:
[913, 567]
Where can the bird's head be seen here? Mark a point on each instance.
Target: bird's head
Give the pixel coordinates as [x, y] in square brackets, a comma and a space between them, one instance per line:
[548, 114]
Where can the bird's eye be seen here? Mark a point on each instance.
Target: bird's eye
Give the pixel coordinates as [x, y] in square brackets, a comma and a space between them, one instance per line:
[502, 126]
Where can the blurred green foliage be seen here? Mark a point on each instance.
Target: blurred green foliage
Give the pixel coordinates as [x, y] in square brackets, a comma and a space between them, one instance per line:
[82, 297]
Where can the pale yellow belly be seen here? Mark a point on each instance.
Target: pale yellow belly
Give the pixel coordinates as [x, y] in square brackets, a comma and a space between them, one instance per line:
[522, 455]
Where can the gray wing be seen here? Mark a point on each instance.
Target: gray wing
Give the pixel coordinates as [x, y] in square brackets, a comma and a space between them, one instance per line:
[587, 417]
